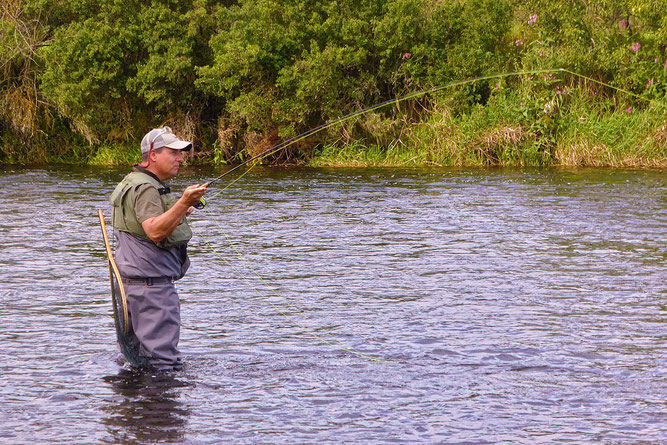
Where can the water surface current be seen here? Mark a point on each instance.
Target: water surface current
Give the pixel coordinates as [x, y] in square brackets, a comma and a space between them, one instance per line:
[354, 306]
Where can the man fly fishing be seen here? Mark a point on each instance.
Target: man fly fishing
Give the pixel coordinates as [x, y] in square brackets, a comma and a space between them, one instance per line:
[152, 233]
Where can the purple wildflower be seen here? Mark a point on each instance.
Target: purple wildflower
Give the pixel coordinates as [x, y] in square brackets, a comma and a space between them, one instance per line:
[635, 46]
[532, 19]
[628, 110]
[518, 43]
[650, 83]
[406, 56]
[623, 23]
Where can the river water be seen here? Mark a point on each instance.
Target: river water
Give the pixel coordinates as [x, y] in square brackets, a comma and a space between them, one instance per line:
[355, 306]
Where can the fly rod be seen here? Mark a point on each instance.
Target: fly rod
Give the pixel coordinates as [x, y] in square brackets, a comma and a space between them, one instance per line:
[396, 100]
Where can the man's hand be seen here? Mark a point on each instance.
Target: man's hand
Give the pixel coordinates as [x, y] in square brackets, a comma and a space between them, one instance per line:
[193, 194]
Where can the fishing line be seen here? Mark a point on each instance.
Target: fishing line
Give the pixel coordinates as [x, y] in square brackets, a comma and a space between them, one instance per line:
[240, 255]
[629, 93]
[334, 344]
[295, 139]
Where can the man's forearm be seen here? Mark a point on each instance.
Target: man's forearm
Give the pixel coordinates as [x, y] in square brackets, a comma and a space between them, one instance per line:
[160, 227]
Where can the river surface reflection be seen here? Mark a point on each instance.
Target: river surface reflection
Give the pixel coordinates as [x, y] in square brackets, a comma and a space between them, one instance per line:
[148, 407]
[351, 305]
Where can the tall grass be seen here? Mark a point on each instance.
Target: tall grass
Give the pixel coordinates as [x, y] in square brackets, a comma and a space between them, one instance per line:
[115, 155]
[518, 128]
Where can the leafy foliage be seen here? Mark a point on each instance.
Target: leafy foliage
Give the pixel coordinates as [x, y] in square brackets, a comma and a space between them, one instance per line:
[115, 67]
[237, 75]
[293, 66]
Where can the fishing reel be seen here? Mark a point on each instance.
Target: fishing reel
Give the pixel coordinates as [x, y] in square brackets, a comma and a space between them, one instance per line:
[201, 204]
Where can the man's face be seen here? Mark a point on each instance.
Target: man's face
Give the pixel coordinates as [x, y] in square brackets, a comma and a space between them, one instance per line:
[166, 162]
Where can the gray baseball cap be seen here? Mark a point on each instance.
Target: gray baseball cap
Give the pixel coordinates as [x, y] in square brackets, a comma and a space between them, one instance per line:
[163, 137]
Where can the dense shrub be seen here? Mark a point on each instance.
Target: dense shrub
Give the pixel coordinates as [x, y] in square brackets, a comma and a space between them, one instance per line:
[237, 75]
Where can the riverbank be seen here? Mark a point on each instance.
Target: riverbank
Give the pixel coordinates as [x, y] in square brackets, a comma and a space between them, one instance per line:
[563, 130]
[565, 125]
[504, 146]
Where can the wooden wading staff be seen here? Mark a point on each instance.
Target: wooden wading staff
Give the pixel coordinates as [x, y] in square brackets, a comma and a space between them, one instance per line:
[114, 273]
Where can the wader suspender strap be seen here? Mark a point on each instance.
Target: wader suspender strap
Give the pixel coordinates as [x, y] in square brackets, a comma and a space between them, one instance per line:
[164, 189]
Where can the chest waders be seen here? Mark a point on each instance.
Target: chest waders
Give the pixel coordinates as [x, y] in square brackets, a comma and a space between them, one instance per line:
[124, 218]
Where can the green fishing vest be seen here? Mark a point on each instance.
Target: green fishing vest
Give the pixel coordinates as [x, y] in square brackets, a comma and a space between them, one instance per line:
[123, 216]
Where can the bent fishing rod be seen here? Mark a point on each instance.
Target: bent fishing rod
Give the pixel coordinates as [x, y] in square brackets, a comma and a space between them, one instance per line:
[396, 100]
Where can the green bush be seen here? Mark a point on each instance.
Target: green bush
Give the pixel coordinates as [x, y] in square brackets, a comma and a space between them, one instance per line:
[116, 68]
[295, 66]
[80, 77]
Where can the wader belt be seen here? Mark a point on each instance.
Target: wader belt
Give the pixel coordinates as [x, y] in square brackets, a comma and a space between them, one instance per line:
[149, 281]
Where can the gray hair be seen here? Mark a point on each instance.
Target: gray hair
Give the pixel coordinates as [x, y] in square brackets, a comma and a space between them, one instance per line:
[144, 156]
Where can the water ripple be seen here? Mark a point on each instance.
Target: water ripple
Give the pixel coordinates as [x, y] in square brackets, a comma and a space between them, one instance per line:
[504, 306]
